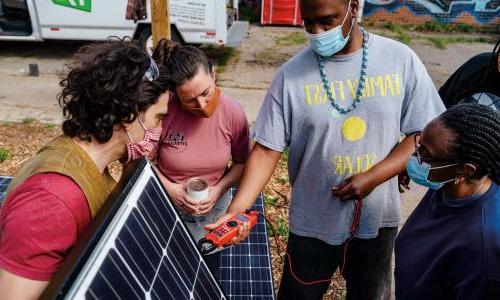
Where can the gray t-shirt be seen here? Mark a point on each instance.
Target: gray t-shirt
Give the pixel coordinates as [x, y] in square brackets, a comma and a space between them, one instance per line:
[326, 147]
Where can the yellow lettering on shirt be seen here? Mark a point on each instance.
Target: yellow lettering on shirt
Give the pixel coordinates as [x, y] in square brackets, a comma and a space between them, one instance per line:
[346, 166]
[377, 82]
[386, 85]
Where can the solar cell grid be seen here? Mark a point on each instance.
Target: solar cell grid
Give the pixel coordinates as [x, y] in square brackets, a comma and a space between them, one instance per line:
[245, 269]
[145, 252]
[167, 271]
[4, 183]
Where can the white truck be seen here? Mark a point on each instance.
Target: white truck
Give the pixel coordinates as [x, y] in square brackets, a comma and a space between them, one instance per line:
[192, 21]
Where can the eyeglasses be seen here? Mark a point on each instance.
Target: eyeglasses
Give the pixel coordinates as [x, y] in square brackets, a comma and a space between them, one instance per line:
[416, 140]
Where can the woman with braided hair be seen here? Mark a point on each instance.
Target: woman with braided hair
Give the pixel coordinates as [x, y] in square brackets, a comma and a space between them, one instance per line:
[449, 247]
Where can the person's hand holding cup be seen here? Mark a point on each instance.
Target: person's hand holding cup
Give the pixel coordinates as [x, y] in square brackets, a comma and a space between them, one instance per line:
[197, 190]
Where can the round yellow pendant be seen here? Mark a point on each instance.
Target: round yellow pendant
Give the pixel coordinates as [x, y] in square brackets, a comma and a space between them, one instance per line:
[354, 128]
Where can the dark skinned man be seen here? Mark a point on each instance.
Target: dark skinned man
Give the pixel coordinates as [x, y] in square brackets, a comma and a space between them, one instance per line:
[340, 106]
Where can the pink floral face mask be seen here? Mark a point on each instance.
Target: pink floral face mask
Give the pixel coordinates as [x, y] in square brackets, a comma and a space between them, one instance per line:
[144, 147]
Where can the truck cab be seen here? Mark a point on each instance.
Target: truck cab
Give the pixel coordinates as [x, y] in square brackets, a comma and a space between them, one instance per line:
[192, 21]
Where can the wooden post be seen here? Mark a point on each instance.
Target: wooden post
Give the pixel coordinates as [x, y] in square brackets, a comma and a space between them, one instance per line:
[160, 20]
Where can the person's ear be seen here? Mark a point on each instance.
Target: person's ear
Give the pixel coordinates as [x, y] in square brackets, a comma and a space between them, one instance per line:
[214, 75]
[466, 171]
[354, 8]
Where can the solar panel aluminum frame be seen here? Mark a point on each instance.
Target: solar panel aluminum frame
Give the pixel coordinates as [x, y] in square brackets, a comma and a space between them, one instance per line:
[72, 277]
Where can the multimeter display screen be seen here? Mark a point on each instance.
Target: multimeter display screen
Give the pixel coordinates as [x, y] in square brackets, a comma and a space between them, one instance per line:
[242, 218]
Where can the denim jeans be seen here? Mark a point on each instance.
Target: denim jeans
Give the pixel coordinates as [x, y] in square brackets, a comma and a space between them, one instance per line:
[196, 224]
[367, 271]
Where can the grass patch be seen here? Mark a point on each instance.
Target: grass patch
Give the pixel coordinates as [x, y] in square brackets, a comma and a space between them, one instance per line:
[393, 27]
[28, 120]
[221, 56]
[4, 154]
[404, 38]
[437, 42]
[270, 201]
[49, 126]
[442, 42]
[400, 32]
[436, 26]
[292, 39]
[286, 154]
[282, 228]
[283, 163]
[283, 179]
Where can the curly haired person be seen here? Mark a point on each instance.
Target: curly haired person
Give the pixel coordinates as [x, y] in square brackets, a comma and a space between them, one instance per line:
[113, 108]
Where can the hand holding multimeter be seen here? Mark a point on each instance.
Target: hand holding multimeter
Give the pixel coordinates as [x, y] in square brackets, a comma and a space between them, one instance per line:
[224, 234]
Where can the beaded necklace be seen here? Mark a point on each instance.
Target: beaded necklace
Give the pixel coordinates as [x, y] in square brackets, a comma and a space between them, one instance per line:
[362, 78]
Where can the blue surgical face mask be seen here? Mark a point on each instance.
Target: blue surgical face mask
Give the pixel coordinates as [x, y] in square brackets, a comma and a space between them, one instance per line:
[332, 41]
[419, 173]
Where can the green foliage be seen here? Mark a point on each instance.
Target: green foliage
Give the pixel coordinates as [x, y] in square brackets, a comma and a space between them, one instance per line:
[442, 42]
[49, 126]
[28, 120]
[285, 154]
[432, 25]
[394, 27]
[283, 179]
[284, 158]
[4, 154]
[221, 56]
[464, 28]
[436, 26]
[401, 34]
[270, 201]
[251, 14]
[404, 38]
[437, 42]
[282, 228]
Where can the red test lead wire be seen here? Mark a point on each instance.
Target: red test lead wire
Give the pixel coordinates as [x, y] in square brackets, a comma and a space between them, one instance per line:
[352, 234]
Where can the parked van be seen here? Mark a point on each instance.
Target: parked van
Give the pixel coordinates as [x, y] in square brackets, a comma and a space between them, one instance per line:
[192, 21]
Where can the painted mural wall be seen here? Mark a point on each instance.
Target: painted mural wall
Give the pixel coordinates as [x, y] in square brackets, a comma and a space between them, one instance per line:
[474, 12]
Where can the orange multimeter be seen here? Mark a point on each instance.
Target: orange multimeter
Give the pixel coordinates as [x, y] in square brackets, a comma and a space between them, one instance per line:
[224, 234]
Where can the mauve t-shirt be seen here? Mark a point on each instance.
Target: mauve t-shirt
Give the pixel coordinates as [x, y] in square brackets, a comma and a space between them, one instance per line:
[202, 147]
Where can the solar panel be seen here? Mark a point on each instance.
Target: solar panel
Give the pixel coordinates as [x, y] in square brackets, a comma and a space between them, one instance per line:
[245, 269]
[137, 248]
[4, 183]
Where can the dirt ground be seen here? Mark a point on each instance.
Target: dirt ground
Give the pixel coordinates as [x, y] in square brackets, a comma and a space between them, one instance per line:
[30, 102]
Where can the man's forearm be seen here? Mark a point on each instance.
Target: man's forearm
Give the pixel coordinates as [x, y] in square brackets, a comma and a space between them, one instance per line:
[258, 169]
[395, 162]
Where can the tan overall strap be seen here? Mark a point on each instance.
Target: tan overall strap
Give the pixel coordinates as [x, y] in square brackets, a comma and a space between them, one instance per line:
[62, 155]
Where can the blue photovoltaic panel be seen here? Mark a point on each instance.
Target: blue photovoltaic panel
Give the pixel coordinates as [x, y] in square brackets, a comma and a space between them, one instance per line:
[4, 183]
[245, 271]
[145, 252]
